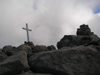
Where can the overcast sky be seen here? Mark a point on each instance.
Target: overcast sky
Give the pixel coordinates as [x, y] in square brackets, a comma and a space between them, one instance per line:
[49, 20]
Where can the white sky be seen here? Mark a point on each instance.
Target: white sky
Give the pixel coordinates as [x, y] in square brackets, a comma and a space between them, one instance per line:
[49, 20]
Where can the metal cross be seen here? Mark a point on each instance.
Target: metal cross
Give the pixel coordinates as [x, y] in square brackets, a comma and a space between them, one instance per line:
[27, 31]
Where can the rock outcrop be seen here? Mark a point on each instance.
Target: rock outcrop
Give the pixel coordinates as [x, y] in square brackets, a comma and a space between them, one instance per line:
[14, 60]
[42, 48]
[74, 61]
[14, 64]
[84, 30]
[39, 48]
[25, 47]
[76, 55]
[84, 36]
[3, 56]
[7, 49]
[51, 47]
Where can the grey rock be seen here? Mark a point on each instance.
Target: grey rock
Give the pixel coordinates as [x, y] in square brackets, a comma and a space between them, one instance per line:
[84, 30]
[14, 64]
[39, 48]
[7, 49]
[78, 60]
[31, 73]
[51, 47]
[84, 36]
[0, 50]
[3, 56]
[73, 40]
[25, 47]
[69, 41]
[94, 38]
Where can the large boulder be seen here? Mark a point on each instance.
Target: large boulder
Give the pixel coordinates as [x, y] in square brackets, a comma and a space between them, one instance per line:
[3, 56]
[7, 49]
[73, 40]
[73, 61]
[69, 41]
[51, 47]
[39, 48]
[29, 44]
[14, 64]
[25, 47]
[14, 50]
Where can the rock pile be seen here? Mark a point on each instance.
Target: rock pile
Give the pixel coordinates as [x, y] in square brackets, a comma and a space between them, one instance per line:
[84, 30]
[14, 60]
[84, 36]
[72, 58]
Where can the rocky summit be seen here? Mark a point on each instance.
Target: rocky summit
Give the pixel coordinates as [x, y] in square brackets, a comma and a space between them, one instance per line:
[76, 55]
[83, 36]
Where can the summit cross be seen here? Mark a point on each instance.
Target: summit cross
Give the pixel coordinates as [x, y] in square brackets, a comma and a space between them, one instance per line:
[27, 31]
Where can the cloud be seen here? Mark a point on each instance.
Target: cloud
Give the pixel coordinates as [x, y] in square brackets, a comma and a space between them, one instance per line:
[49, 20]
[94, 24]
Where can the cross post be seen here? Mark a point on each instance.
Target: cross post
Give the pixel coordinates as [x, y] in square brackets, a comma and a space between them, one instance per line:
[27, 31]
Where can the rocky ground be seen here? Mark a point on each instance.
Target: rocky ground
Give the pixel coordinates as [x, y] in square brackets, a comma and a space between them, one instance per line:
[76, 55]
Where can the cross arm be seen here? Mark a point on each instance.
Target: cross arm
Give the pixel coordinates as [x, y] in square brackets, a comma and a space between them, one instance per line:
[27, 29]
